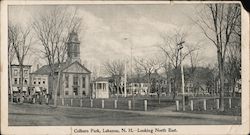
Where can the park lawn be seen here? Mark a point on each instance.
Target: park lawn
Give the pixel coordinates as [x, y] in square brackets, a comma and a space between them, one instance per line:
[42, 115]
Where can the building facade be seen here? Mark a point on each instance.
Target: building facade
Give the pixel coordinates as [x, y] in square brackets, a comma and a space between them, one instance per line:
[100, 88]
[72, 76]
[16, 81]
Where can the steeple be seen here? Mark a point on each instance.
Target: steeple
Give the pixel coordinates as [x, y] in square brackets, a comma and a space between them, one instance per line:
[73, 48]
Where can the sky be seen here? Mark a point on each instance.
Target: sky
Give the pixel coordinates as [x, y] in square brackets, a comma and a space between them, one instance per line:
[105, 28]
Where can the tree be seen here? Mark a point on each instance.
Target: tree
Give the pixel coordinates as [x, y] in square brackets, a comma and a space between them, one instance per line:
[12, 39]
[194, 61]
[169, 47]
[19, 42]
[218, 22]
[148, 66]
[52, 28]
[115, 69]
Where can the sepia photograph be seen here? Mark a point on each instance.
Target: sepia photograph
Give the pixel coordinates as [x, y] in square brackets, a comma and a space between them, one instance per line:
[117, 65]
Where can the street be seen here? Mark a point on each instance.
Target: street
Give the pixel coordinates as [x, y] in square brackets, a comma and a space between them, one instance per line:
[42, 115]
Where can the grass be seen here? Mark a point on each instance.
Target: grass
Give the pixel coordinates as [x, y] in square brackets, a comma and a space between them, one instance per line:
[42, 115]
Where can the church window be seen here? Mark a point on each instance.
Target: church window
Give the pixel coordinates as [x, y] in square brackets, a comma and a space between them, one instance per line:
[83, 93]
[66, 93]
[26, 81]
[15, 72]
[75, 90]
[15, 81]
[66, 81]
[83, 82]
[75, 80]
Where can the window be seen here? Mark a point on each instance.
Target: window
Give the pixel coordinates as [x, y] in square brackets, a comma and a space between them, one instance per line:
[25, 72]
[104, 86]
[83, 82]
[43, 81]
[75, 90]
[75, 80]
[15, 72]
[83, 93]
[15, 81]
[66, 81]
[20, 81]
[99, 85]
[66, 93]
[26, 81]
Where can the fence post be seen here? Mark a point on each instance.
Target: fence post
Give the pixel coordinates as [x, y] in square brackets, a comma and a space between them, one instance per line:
[177, 105]
[71, 102]
[80, 102]
[204, 105]
[129, 104]
[192, 105]
[145, 105]
[218, 104]
[230, 103]
[115, 104]
[47, 100]
[102, 103]
[91, 103]
[62, 101]
[34, 100]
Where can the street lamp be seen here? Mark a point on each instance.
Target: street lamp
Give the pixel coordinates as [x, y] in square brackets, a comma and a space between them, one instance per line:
[180, 46]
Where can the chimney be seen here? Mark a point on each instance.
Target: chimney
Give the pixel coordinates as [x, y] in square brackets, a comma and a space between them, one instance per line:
[37, 66]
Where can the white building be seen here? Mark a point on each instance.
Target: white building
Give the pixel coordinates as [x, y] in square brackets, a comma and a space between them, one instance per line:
[16, 78]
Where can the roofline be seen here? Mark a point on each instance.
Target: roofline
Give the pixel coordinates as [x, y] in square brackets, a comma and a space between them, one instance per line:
[79, 64]
[19, 65]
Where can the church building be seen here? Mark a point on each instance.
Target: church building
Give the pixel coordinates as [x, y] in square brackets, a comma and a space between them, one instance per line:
[74, 77]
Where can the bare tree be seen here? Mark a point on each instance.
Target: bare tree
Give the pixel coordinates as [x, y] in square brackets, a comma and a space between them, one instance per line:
[218, 22]
[19, 42]
[169, 47]
[115, 69]
[194, 61]
[233, 62]
[148, 66]
[12, 39]
[52, 28]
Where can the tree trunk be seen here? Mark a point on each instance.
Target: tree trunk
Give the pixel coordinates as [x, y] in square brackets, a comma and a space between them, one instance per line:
[21, 77]
[57, 87]
[10, 83]
[175, 83]
[221, 75]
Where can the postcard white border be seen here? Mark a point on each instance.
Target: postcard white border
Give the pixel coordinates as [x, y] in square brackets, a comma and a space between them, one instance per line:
[182, 129]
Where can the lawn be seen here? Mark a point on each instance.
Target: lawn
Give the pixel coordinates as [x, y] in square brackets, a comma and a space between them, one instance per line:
[42, 115]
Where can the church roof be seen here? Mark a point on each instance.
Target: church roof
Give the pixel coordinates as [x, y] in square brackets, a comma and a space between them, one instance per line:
[45, 70]
[76, 62]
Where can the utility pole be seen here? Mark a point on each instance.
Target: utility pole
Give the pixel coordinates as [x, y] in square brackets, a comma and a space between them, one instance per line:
[125, 79]
[180, 46]
[131, 63]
